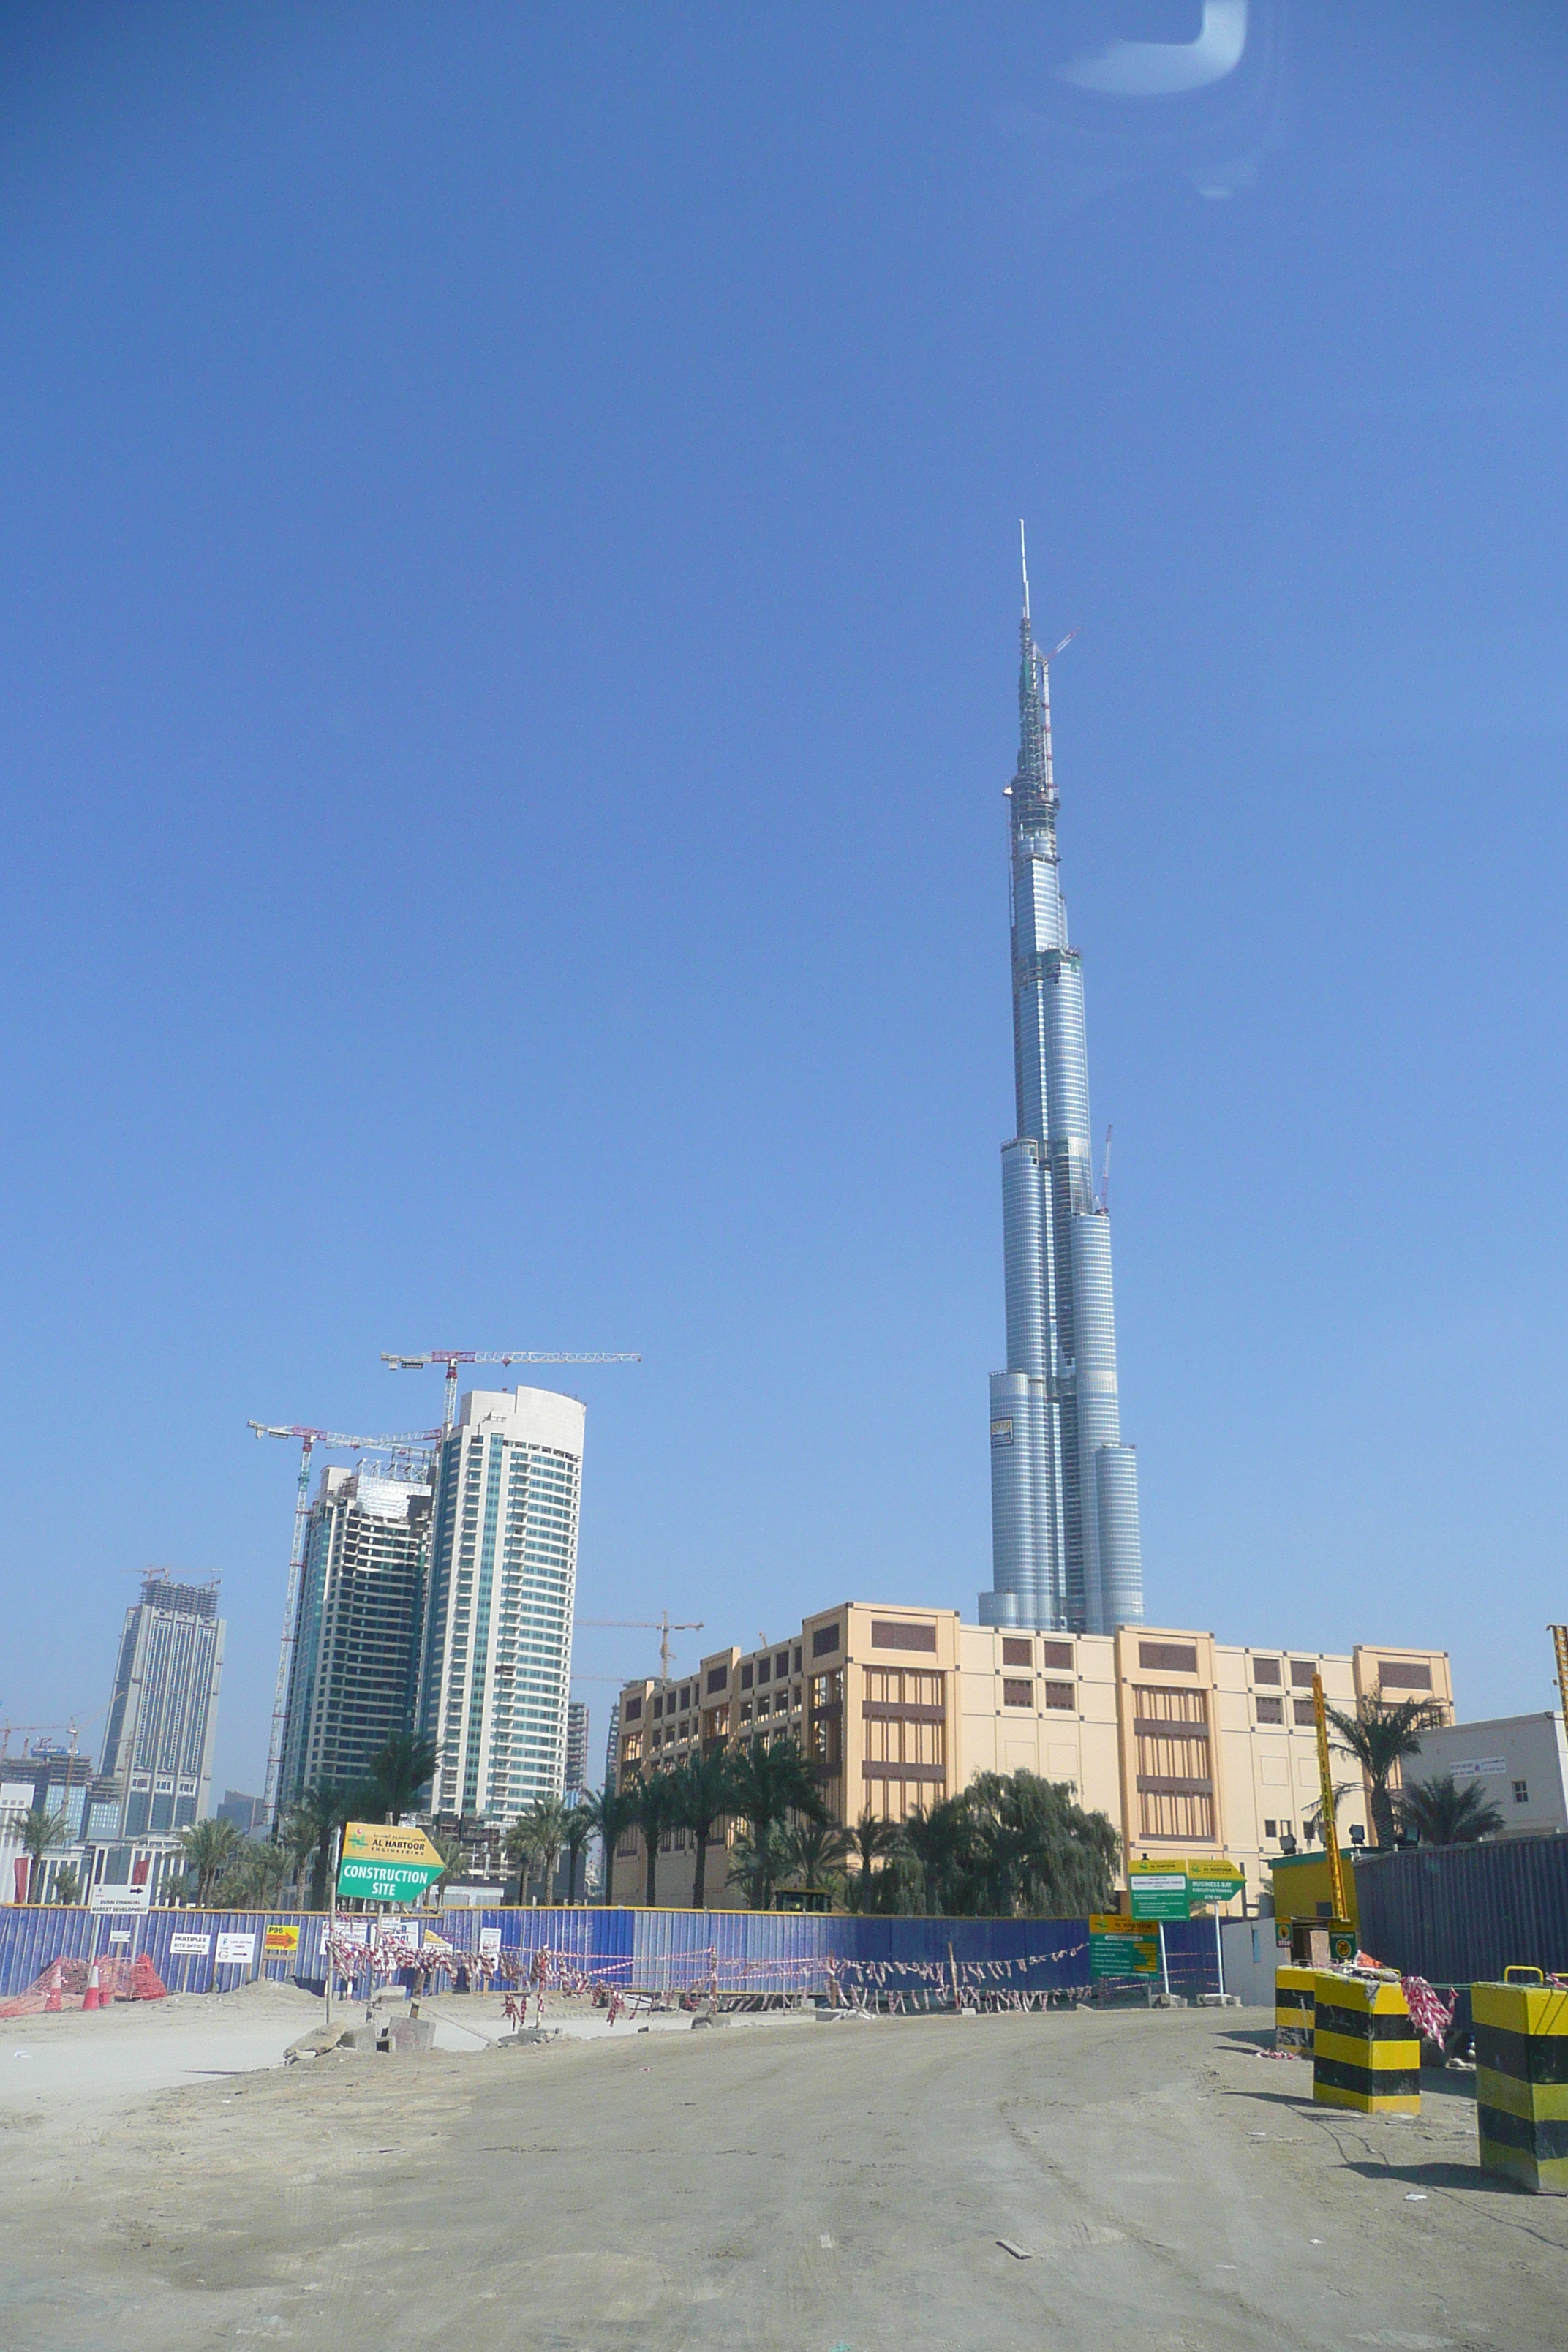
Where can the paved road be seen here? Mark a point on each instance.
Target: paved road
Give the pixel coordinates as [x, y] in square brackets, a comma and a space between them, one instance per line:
[837, 2187]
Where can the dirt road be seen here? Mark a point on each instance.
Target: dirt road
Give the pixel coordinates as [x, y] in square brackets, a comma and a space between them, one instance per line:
[829, 2187]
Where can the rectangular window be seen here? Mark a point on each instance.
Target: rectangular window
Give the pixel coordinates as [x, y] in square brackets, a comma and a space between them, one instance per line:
[1403, 1673]
[1168, 1657]
[823, 1640]
[797, 1655]
[685, 1697]
[747, 1676]
[890, 1633]
[1269, 1710]
[1060, 1694]
[632, 1709]
[1057, 1653]
[718, 1676]
[1017, 1654]
[1302, 1670]
[658, 1707]
[1270, 1829]
[1305, 1713]
[781, 1667]
[1522, 1792]
[1266, 1670]
[765, 1670]
[1018, 1693]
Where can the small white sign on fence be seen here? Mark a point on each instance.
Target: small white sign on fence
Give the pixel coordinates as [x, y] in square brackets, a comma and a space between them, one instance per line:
[190, 1945]
[120, 1898]
[234, 1950]
[490, 1943]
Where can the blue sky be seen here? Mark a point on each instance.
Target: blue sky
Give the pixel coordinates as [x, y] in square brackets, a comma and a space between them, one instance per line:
[507, 671]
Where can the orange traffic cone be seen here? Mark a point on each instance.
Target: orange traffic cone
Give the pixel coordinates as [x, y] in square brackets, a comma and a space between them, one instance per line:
[93, 1998]
[54, 2001]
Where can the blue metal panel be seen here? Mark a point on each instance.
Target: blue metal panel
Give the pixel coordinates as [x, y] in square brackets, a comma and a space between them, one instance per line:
[1461, 1915]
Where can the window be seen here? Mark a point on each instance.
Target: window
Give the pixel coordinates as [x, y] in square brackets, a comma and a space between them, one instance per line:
[632, 1709]
[1266, 1670]
[1059, 1694]
[1057, 1653]
[1018, 1693]
[658, 1709]
[1522, 1792]
[765, 1670]
[1270, 1829]
[1403, 1673]
[1017, 1654]
[1305, 1713]
[781, 1667]
[798, 1657]
[747, 1678]
[1302, 1670]
[1169, 1657]
[717, 1677]
[1271, 1711]
[825, 1639]
[890, 1633]
[685, 1697]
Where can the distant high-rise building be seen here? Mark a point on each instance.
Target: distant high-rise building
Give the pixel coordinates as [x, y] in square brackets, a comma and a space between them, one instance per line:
[249, 1814]
[1065, 1552]
[163, 1717]
[497, 1644]
[576, 1744]
[613, 1748]
[353, 1677]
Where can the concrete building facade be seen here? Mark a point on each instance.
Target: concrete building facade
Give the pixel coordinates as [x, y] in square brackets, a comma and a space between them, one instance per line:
[1189, 1746]
[576, 1779]
[353, 1668]
[1519, 1762]
[496, 1636]
[163, 1714]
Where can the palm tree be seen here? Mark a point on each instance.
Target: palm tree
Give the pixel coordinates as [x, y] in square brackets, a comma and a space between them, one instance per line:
[322, 1811]
[67, 1889]
[397, 1771]
[658, 1802]
[256, 1876]
[814, 1852]
[769, 1784]
[609, 1815]
[936, 1840]
[1380, 1735]
[869, 1841]
[39, 1830]
[579, 1829]
[209, 1849]
[706, 1790]
[537, 1837]
[1442, 1813]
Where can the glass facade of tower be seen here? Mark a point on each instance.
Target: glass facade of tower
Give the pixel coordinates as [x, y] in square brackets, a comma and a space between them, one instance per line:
[498, 1619]
[162, 1716]
[1064, 1489]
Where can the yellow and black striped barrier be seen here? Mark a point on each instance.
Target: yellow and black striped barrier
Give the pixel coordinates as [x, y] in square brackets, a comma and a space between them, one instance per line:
[1367, 2053]
[1293, 2009]
[1521, 2082]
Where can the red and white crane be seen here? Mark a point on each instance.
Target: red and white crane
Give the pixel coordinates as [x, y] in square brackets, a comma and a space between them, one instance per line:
[453, 1357]
[400, 1441]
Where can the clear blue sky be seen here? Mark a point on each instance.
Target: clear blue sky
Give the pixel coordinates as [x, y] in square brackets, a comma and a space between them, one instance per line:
[507, 672]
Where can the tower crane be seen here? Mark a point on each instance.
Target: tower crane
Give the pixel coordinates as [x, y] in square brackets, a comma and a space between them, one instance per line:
[309, 1440]
[661, 1625]
[453, 1357]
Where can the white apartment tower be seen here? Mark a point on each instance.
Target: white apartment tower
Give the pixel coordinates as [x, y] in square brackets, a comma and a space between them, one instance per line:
[497, 1644]
[162, 1716]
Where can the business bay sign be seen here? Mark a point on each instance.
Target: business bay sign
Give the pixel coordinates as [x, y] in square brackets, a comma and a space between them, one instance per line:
[382, 1864]
[1168, 1890]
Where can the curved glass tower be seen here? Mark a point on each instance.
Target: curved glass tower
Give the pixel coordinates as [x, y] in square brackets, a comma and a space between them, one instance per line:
[1064, 1489]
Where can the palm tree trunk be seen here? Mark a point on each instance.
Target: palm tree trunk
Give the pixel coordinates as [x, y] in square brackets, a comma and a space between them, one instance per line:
[652, 1869]
[700, 1876]
[1383, 1813]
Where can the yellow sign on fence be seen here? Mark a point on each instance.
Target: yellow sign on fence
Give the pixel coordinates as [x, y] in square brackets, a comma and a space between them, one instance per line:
[380, 1841]
[282, 1935]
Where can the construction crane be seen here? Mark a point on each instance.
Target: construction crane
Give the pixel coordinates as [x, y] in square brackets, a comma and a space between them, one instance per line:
[1559, 1643]
[453, 1357]
[309, 1440]
[660, 1625]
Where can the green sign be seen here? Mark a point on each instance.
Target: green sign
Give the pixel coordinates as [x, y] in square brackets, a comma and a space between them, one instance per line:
[1216, 1881]
[387, 1882]
[1158, 1894]
[1119, 1946]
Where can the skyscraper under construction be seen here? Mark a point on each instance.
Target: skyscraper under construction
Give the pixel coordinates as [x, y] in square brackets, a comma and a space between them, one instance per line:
[1064, 1489]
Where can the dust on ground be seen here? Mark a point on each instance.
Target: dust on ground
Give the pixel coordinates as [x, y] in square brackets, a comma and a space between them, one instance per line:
[786, 2184]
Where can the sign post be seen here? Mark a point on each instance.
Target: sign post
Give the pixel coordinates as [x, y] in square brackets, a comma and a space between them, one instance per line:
[1216, 1879]
[1118, 1946]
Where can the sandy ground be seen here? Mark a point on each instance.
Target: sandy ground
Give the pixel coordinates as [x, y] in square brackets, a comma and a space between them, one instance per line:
[772, 2184]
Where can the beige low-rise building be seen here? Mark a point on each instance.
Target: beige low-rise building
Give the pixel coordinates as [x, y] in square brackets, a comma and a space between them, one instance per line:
[1189, 1745]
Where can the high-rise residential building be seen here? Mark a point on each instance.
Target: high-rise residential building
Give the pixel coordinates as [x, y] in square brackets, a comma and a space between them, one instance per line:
[576, 1746]
[353, 1673]
[613, 1749]
[1065, 1552]
[497, 1642]
[163, 1717]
